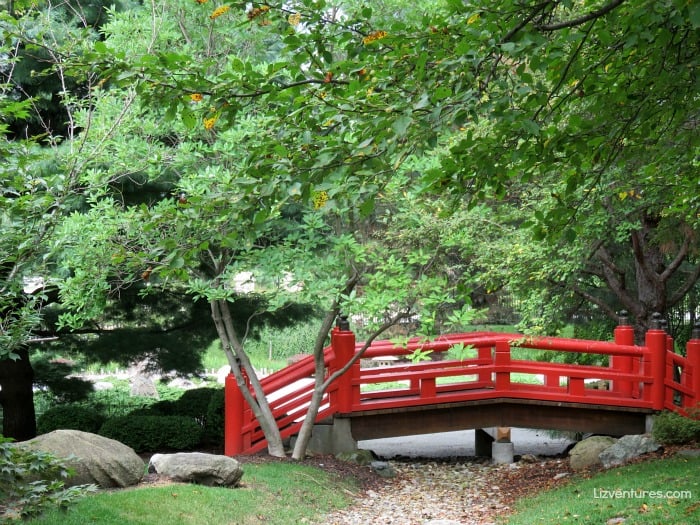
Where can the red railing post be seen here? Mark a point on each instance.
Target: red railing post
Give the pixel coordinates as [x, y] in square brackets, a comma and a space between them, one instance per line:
[233, 417]
[485, 353]
[624, 335]
[692, 348]
[343, 343]
[656, 344]
[502, 359]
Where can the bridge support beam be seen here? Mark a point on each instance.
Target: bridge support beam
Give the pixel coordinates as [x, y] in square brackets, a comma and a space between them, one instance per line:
[502, 452]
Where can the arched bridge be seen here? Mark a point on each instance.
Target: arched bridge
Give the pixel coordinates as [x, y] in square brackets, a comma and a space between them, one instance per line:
[475, 380]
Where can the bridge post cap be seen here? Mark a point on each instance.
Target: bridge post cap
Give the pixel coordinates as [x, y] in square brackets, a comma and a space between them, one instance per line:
[623, 318]
[695, 333]
[342, 323]
[656, 321]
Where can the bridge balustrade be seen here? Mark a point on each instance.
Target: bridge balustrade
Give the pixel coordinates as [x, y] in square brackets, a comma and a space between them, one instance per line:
[650, 377]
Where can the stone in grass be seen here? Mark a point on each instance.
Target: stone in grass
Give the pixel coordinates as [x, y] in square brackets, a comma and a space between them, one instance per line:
[212, 470]
[626, 448]
[95, 459]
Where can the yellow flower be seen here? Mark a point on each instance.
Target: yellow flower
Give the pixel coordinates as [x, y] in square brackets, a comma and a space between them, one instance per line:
[209, 123]
[219, 11]
[320, 198]
[201, 1]
[374, 35]
[294, 19]
[196, 97]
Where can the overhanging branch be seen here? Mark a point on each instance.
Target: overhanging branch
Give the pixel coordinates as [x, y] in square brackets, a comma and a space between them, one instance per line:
[582, 19]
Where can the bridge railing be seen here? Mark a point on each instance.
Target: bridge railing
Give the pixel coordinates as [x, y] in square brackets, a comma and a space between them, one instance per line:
[649, 377]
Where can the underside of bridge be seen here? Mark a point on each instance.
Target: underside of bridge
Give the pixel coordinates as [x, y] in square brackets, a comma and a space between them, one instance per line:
[506, 412]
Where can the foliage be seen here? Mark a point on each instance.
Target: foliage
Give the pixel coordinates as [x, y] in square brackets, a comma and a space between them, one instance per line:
[55, 376]
[674, 429]
[32, 482]
[214, 431]
[152, 433]
[73, 417]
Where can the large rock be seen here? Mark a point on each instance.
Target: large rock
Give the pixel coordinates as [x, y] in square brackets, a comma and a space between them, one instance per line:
[196, 467]
[586, 453]
[144, 386]
[95, 459]
[626, 448]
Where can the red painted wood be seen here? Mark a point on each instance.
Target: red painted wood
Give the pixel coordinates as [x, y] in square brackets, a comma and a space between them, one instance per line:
[640, 377]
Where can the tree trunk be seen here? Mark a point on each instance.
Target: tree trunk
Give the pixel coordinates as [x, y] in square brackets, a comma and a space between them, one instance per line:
[240, 364]
[17, 397]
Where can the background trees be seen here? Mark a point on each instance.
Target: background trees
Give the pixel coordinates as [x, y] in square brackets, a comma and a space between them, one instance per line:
[391, 159]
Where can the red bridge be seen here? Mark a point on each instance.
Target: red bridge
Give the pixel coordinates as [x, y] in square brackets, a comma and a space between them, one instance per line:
[386, 394]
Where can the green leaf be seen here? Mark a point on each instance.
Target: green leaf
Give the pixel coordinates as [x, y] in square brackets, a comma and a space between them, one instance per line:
[401, 124]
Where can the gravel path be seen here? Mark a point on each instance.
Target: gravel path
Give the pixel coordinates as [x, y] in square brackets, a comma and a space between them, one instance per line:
[449, 492]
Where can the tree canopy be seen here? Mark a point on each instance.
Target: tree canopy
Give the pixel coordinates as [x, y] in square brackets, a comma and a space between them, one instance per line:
[384, 158]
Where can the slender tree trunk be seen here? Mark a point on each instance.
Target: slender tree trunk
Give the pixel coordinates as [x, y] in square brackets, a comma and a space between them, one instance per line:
[240, 364]
[17, 397]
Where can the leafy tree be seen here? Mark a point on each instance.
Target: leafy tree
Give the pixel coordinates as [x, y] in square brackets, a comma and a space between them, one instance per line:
[39, 185]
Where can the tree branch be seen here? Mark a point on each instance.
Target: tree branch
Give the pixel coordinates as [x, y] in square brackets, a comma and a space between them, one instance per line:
[582, 19]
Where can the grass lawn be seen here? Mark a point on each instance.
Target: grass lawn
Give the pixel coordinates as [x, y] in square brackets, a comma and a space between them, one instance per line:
[271, 493]
[653, 492]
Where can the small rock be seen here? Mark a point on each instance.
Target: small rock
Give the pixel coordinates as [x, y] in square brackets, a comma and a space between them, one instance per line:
[561, 475]
[528, 458]
[383, 469]
[360, 457]
[615, 521]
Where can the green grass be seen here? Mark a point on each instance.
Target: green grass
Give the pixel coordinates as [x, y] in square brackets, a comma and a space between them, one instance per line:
[271, 493]
[591, 500]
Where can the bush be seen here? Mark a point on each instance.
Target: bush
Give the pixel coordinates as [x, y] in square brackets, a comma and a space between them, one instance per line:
[671, 428]
[214, 430]
[154, 433]
[72, 417]
[31, 481]
[192, 403]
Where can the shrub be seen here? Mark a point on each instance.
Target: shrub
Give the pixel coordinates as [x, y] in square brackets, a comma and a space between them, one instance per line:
[214, 430]
[72, 417]
[153, 433]
[671, 428]
[31, 481]
[192, 403]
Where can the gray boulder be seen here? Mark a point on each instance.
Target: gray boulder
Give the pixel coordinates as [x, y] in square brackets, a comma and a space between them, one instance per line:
[95, 459]
[144, 386]
[586, 453]
[196, 467]
[626, 448]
